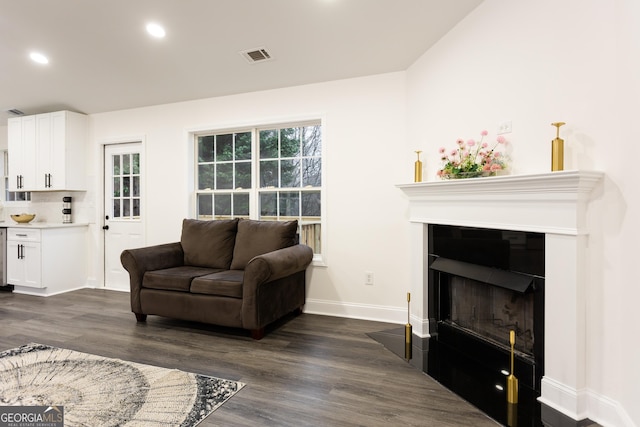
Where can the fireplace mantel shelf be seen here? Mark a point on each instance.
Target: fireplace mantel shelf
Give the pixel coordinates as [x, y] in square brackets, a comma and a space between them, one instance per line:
[547, 202]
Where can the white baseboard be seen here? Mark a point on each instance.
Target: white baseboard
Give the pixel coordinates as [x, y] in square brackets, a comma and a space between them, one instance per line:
[585, 403]
[377, 313]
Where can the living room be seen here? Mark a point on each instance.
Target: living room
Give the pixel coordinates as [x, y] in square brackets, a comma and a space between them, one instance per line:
[530, 64]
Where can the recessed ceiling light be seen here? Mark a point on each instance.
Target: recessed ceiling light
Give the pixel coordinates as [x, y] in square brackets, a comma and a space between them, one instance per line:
[155, 30]
[39, 58]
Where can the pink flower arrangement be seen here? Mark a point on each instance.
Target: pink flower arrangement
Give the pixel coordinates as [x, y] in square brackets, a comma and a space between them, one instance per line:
[473, 158]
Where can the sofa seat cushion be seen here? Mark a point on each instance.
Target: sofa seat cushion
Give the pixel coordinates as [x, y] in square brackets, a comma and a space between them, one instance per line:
[259, 237]
[175, 278]
[224, 283]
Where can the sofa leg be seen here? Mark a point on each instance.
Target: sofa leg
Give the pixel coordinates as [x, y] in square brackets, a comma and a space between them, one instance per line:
[141, 317]
[297, 311]
[257, 334]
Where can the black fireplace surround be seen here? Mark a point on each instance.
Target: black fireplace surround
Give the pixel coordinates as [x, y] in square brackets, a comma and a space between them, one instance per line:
[482, 284]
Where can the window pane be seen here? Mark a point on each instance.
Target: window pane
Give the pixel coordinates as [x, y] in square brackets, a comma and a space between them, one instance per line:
[205, 177]
[224, 178]
[205, 148]
[205, 205]
[268, 204]
[224, 147]
[243, 146]
[290, 173]
[312, 172]
[243, 175]
[268, 144]
[136, 163]
[312, 141]
[290, 142]
[222, 205]
[311, 204]
[269, 173]
[289, 204]
[241, 205]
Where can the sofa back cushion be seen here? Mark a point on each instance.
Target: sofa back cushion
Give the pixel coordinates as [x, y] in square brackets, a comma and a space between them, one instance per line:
[259, 237]
[208, 243]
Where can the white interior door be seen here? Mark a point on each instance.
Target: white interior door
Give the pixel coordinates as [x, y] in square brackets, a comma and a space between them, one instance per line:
[123, 209]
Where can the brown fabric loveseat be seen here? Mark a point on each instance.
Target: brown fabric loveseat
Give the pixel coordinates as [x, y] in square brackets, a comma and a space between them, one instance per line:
[237, 273]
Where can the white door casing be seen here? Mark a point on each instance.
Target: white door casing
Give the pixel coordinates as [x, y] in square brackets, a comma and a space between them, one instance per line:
[123, 208]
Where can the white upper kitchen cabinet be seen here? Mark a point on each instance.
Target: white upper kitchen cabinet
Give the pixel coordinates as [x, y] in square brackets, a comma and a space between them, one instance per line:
[56, 161]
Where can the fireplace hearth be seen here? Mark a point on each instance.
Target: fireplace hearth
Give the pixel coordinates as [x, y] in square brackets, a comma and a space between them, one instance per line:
[486, 283]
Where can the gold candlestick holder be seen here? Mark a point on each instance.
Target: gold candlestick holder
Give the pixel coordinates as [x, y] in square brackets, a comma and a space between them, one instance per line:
[418, 168]
[557, 149]
[408, 332]
[512, 381]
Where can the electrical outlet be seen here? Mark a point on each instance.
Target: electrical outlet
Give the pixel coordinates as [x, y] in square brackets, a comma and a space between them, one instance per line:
[368, 277]
[504, 127]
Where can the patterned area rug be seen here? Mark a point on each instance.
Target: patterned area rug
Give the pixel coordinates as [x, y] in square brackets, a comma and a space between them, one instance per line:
[98, 391]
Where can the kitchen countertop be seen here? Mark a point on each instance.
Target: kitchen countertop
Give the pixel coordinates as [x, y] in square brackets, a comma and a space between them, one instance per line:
[39, 225]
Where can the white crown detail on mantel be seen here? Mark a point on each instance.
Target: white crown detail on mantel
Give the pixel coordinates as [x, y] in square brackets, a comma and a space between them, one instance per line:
[547, 202]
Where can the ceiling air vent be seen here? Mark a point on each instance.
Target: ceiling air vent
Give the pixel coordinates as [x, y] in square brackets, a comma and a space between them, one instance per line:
[15, 112]
[256, 55]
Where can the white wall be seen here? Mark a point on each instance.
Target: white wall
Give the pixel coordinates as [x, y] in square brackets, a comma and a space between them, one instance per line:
[535, 63]
[364, 122]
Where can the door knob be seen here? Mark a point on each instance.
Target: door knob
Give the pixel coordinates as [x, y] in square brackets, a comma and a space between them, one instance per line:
[106, 227]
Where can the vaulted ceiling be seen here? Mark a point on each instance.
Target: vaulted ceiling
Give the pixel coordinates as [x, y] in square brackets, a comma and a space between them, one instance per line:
[102, 59]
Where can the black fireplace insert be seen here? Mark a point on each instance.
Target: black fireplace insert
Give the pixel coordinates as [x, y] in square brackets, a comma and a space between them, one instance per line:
[482, 285]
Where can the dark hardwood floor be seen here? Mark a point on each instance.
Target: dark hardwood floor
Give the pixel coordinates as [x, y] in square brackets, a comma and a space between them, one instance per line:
[308, 370]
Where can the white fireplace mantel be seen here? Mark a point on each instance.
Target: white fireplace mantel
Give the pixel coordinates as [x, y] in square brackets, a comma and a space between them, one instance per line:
[548, 202]
[555, 204]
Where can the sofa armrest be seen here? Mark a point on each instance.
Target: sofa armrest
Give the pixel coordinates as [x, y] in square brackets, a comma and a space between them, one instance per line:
[278, 264]
[140, 260]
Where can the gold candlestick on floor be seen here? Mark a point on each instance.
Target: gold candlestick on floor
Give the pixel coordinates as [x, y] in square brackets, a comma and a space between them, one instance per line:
[408, 332]
[512, 381]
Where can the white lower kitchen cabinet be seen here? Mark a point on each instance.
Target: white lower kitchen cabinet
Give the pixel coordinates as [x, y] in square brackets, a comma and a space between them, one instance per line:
[47, 259]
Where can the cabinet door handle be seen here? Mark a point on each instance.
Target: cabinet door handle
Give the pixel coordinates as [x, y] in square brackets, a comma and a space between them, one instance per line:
[20, 252]
[21, 235]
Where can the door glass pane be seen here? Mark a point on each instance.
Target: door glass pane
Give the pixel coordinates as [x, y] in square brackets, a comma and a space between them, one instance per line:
[136, 207]
[126, 207]
[126, 186]
[136, 186]
[116, 187]
[126, 159]
[136, 163]
[116, 164]
[116, 208]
